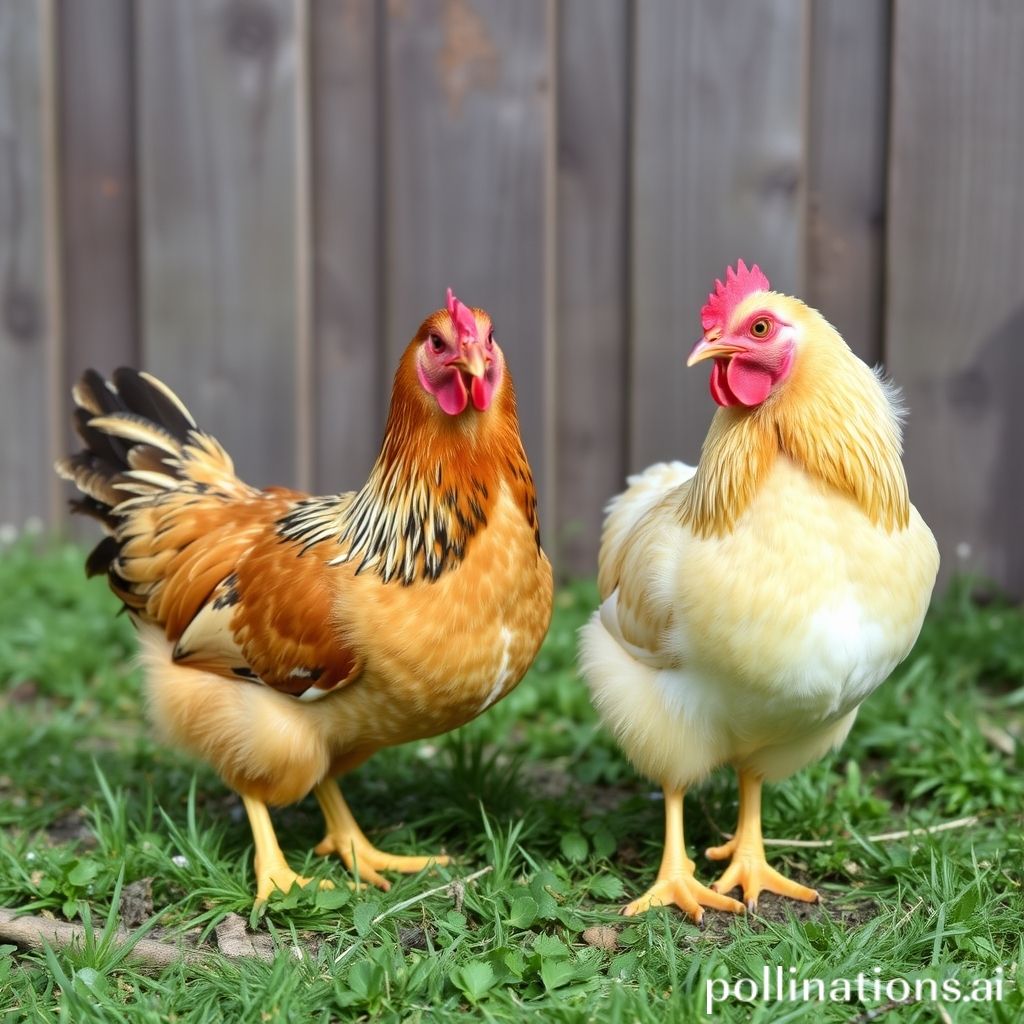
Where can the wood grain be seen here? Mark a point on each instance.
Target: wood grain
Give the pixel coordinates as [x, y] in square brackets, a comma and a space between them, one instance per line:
[848, 98]
[28, 293]
[467, 106]
[717, 148]
[592, 304]
[217, 179]
[349, 357]
[955, 290]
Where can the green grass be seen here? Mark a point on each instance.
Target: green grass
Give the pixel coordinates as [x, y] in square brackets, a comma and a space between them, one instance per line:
[88, 801]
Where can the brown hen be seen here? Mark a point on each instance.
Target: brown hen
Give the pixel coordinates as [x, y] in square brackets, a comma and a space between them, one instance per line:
[286, 638]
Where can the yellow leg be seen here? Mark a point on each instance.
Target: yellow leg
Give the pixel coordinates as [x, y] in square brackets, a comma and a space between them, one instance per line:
[272, 870]
[675, 883]
[748, 867]
[346, 839]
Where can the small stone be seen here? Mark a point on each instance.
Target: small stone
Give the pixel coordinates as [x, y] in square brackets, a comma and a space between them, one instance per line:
[137, 902]
[602, 937]
[235, 940]
[24, 692]
[412, 938]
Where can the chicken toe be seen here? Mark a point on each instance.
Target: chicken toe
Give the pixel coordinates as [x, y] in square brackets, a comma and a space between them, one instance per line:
[281, 876]
[684, 891]
[751, 872]
[346, 839]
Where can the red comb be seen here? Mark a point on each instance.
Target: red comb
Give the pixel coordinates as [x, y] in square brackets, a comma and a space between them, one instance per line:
[739, 283]
[462, 318]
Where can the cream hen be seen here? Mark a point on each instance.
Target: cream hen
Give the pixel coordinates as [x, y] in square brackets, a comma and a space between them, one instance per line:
[752, 603]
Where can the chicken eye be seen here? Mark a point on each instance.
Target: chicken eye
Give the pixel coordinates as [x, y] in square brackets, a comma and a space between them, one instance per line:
[436, 343]
[761, 327]
[490, 338]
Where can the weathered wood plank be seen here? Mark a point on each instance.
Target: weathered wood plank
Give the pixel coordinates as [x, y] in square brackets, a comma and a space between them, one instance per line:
[29, 320]
[468, 142]
[349, 359]
[717, 146]
[217, 134]
[592, 301]
[955, 290]
[98, 195]
[848, 96]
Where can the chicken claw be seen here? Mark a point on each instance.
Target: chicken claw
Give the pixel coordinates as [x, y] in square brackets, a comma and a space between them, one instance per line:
[676, 884]
[280, 876]
[346, 839]
[754, 875]
[748, 868]
[684, 891]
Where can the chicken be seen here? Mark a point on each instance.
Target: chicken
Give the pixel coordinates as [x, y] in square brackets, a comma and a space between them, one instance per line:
[751, 604]
[285, 638]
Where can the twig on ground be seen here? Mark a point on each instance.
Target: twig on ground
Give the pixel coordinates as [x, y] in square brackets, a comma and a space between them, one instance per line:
[33, 932]
[888, 837]
[452, 886]
[405, 904]
[879, 1011]
[882, 837]
[909, 914]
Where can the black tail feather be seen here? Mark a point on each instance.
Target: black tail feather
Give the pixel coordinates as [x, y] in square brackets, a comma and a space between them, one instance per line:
[111, 449]
[144, 398]
[98, 562]
[132, 398]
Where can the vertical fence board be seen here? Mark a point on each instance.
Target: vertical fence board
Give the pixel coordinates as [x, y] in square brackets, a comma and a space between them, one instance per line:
[955, 289]
[592, 299]
[100, 259]
[848, 95]
[217, 135]
[26, 298]
[467, 109]
[348, 353]
[717, 147]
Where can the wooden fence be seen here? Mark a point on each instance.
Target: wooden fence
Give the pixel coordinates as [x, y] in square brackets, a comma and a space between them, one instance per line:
[260, 199]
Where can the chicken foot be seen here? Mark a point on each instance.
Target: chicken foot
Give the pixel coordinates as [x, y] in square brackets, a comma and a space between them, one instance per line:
[748, 868]
[272, 870]
[346, 839]
[676, 883]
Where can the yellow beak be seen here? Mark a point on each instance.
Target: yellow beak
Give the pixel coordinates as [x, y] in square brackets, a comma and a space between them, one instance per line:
[708, 348]
[471, 361]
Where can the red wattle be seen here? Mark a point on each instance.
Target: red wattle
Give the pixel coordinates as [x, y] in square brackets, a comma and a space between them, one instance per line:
[451, 395]
[450, 392]
[719, 384]
[750, 383]
[482, 391]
